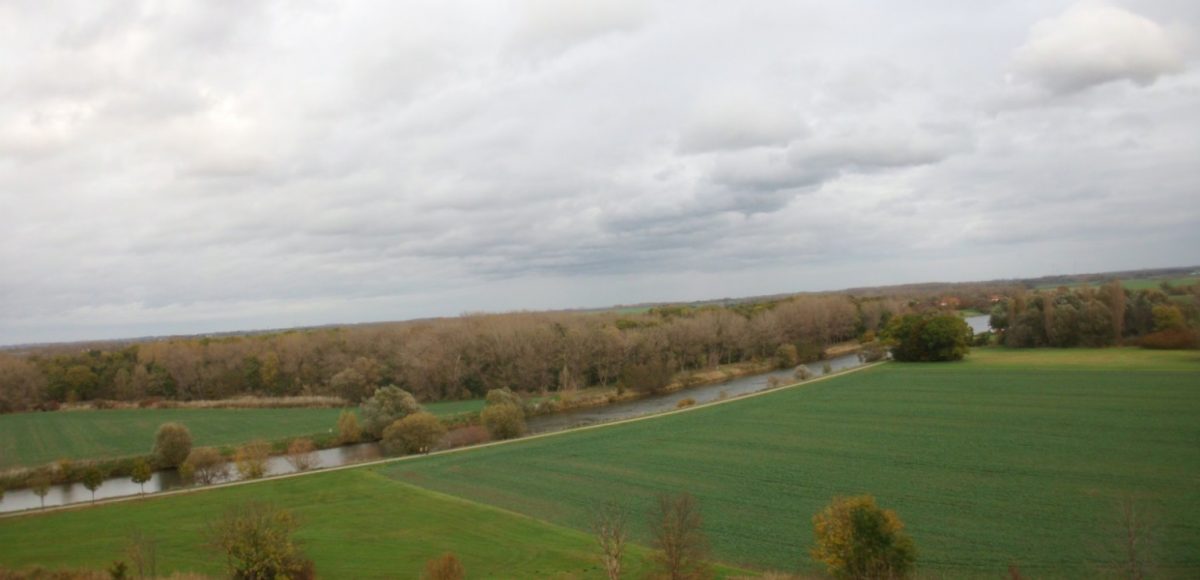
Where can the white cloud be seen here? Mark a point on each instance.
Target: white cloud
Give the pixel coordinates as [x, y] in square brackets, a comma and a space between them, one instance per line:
[1091, 44]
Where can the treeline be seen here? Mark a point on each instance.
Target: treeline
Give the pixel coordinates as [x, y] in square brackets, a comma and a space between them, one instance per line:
[441, 359]
[1103, 316]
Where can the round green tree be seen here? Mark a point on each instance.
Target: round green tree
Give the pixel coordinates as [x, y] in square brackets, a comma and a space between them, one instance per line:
[929, 337]
[172, 444]
[857, 539]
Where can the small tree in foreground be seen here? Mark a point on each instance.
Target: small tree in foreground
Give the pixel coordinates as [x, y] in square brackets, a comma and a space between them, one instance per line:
[172, 443]
[251, 459]
[416, 433]
[677, 532]
[348, 429]
[256, 540]
[503, 421]
[1131, 548]
[610, 524]
[301, 454]
[142, 550]
[857, 539]
[141, 473]
[93, 478]
[40, 484]
[444, 567]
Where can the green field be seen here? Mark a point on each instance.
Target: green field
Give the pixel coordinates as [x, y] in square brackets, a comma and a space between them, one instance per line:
[1015, 456]
[38, 438]
[1130, 284]
[354, 524]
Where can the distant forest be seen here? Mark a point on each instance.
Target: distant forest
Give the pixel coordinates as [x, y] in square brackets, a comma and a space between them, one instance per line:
[464, 357]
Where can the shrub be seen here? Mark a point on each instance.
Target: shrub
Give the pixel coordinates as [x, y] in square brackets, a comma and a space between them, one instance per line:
[172, 444]
[786, 356]
[873, 352]
[348, 428]
[301, 454]
[204, 465]
[463, 436]
[416, 433]
[826, 368]
[651, 376]
[685, 403]
[504, 421]
[802, 373]
[256, 540]
[857, 539]
[1169, 340]
[251, 459]
[388, 405]
[503, 396]
[445, 567]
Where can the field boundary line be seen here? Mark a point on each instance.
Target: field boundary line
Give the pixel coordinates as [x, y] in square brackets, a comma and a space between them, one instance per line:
[378, 462]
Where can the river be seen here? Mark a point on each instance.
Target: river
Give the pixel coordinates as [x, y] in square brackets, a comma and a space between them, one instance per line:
[25, 499]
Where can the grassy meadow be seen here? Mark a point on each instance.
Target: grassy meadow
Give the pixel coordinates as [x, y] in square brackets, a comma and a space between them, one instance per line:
[1133, 283]
[1011, 457]
[354, 524]
[28, 439]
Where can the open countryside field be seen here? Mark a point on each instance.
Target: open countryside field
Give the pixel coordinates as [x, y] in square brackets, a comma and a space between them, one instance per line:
[1132, 283]
[354, 524]
[37, 438]
[1011, 457]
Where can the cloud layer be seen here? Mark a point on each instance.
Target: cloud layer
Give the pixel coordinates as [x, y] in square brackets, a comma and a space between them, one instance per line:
[215, 166]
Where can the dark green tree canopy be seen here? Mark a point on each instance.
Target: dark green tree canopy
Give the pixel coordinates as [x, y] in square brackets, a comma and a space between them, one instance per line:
[929, 337]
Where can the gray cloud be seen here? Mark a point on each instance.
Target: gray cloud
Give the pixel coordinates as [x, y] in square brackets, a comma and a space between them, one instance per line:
[176, 168]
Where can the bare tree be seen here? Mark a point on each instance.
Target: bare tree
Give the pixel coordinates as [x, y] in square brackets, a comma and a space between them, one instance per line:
[676, 527]
[610, 524]
[1130, 549]
[142, 550]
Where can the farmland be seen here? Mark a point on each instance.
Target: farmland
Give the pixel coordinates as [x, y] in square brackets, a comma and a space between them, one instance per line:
[1015, 456]
[1132, 283]
[354, 524]
[38, 438]
[1011, 457]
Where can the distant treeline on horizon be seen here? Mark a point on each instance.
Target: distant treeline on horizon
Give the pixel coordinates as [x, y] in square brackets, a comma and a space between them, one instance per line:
[464, 357]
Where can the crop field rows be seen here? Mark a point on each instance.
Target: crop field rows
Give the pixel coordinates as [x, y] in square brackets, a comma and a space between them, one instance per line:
[1012, 457]
[987, 468]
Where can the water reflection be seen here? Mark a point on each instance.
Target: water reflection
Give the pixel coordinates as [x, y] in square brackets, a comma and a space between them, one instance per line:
[978, 324]
[24, 499]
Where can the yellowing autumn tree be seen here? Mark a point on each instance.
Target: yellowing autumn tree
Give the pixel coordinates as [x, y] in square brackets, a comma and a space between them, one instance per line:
[856, 539]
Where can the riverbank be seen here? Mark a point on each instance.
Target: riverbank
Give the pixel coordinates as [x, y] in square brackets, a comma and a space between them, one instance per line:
[563, 411]
[35, 511]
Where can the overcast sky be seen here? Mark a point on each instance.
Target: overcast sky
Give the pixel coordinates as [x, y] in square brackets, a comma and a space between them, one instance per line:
[183, 167]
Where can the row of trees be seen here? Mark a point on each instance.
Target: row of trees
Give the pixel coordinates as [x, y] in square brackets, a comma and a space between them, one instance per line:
[441, 359]
[1093, 317]
[854, 538]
